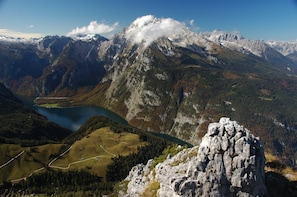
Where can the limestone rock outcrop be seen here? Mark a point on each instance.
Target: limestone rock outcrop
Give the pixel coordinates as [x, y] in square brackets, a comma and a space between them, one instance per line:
[228, 162]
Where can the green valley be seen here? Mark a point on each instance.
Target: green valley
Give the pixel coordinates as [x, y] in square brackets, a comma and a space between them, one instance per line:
[92, 153]
[88, 152]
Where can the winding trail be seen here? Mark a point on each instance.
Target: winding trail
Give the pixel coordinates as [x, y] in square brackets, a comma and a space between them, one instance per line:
[56, 158]
[52, 161]
[24, 178]
[79, 161]
[76, 162]
[15, 157]
[42, 168]
[101, 146]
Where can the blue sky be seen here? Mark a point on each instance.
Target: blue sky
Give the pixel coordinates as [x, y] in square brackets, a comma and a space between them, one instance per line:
[254, 19]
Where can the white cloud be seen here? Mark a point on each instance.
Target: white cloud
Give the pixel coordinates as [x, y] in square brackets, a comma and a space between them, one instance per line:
[94, 28]
[148, 28]
[30, 26]
[10, 33]
[192, 26]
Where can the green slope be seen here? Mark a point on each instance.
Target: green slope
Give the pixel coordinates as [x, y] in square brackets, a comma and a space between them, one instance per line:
[97, 149]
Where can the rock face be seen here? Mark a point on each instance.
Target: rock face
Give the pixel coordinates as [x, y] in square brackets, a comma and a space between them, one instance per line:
[229, 162]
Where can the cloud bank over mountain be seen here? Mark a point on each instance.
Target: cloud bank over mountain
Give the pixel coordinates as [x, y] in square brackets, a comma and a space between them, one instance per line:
[11, 33]
[94, 28]
[148, 28]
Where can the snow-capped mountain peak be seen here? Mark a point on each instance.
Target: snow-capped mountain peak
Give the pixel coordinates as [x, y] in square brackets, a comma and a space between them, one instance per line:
[147, 29]
[235, 41]
[219, 36]
[284, 47]
[144, 20]
[88, 37]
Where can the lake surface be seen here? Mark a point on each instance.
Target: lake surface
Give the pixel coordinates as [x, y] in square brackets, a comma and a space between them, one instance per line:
[73, 117]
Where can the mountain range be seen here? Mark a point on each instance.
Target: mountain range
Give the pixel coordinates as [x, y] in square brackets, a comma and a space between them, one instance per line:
[162, 77]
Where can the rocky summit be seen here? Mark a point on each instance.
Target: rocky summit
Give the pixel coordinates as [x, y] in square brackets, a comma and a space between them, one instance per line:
[228, 162]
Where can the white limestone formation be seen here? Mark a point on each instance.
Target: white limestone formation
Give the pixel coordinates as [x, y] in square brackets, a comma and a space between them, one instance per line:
[229, 162]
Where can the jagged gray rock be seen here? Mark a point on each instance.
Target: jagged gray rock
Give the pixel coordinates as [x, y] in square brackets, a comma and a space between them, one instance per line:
[229, 162]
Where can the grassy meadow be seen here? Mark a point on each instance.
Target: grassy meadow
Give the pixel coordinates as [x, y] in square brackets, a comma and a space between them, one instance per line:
[91, 153]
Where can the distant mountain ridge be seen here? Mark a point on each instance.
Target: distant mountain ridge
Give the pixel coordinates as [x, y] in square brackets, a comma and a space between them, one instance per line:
[163, 77]
[47, 65]
[284, 47]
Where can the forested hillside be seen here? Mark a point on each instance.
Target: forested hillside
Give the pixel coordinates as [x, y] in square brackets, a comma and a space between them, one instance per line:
[20, 124]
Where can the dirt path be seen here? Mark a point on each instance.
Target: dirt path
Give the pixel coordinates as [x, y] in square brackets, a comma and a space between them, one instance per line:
[56, 158]
[24, 178]
[50, 163]
[42, 168]
[3, 165]
[101, 146]
[79, 161]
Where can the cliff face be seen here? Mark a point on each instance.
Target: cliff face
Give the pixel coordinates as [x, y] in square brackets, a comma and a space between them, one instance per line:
[229, 162]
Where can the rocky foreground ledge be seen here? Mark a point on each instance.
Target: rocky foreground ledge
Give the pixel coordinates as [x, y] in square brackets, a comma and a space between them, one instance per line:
[229, 162]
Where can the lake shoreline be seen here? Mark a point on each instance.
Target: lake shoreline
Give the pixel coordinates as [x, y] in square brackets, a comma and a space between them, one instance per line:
[70, 116]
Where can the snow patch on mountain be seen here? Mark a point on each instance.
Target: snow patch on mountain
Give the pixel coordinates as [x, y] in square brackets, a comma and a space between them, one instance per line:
[227, 36]
[88, 37]
[235, 41]
[284, 47]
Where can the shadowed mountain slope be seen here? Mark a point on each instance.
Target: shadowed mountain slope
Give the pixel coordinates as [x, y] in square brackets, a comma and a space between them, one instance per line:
[20, 124]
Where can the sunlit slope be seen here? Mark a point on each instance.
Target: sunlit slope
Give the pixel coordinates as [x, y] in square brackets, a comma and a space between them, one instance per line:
[19, 162]
[91, 153]
[94, 152]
